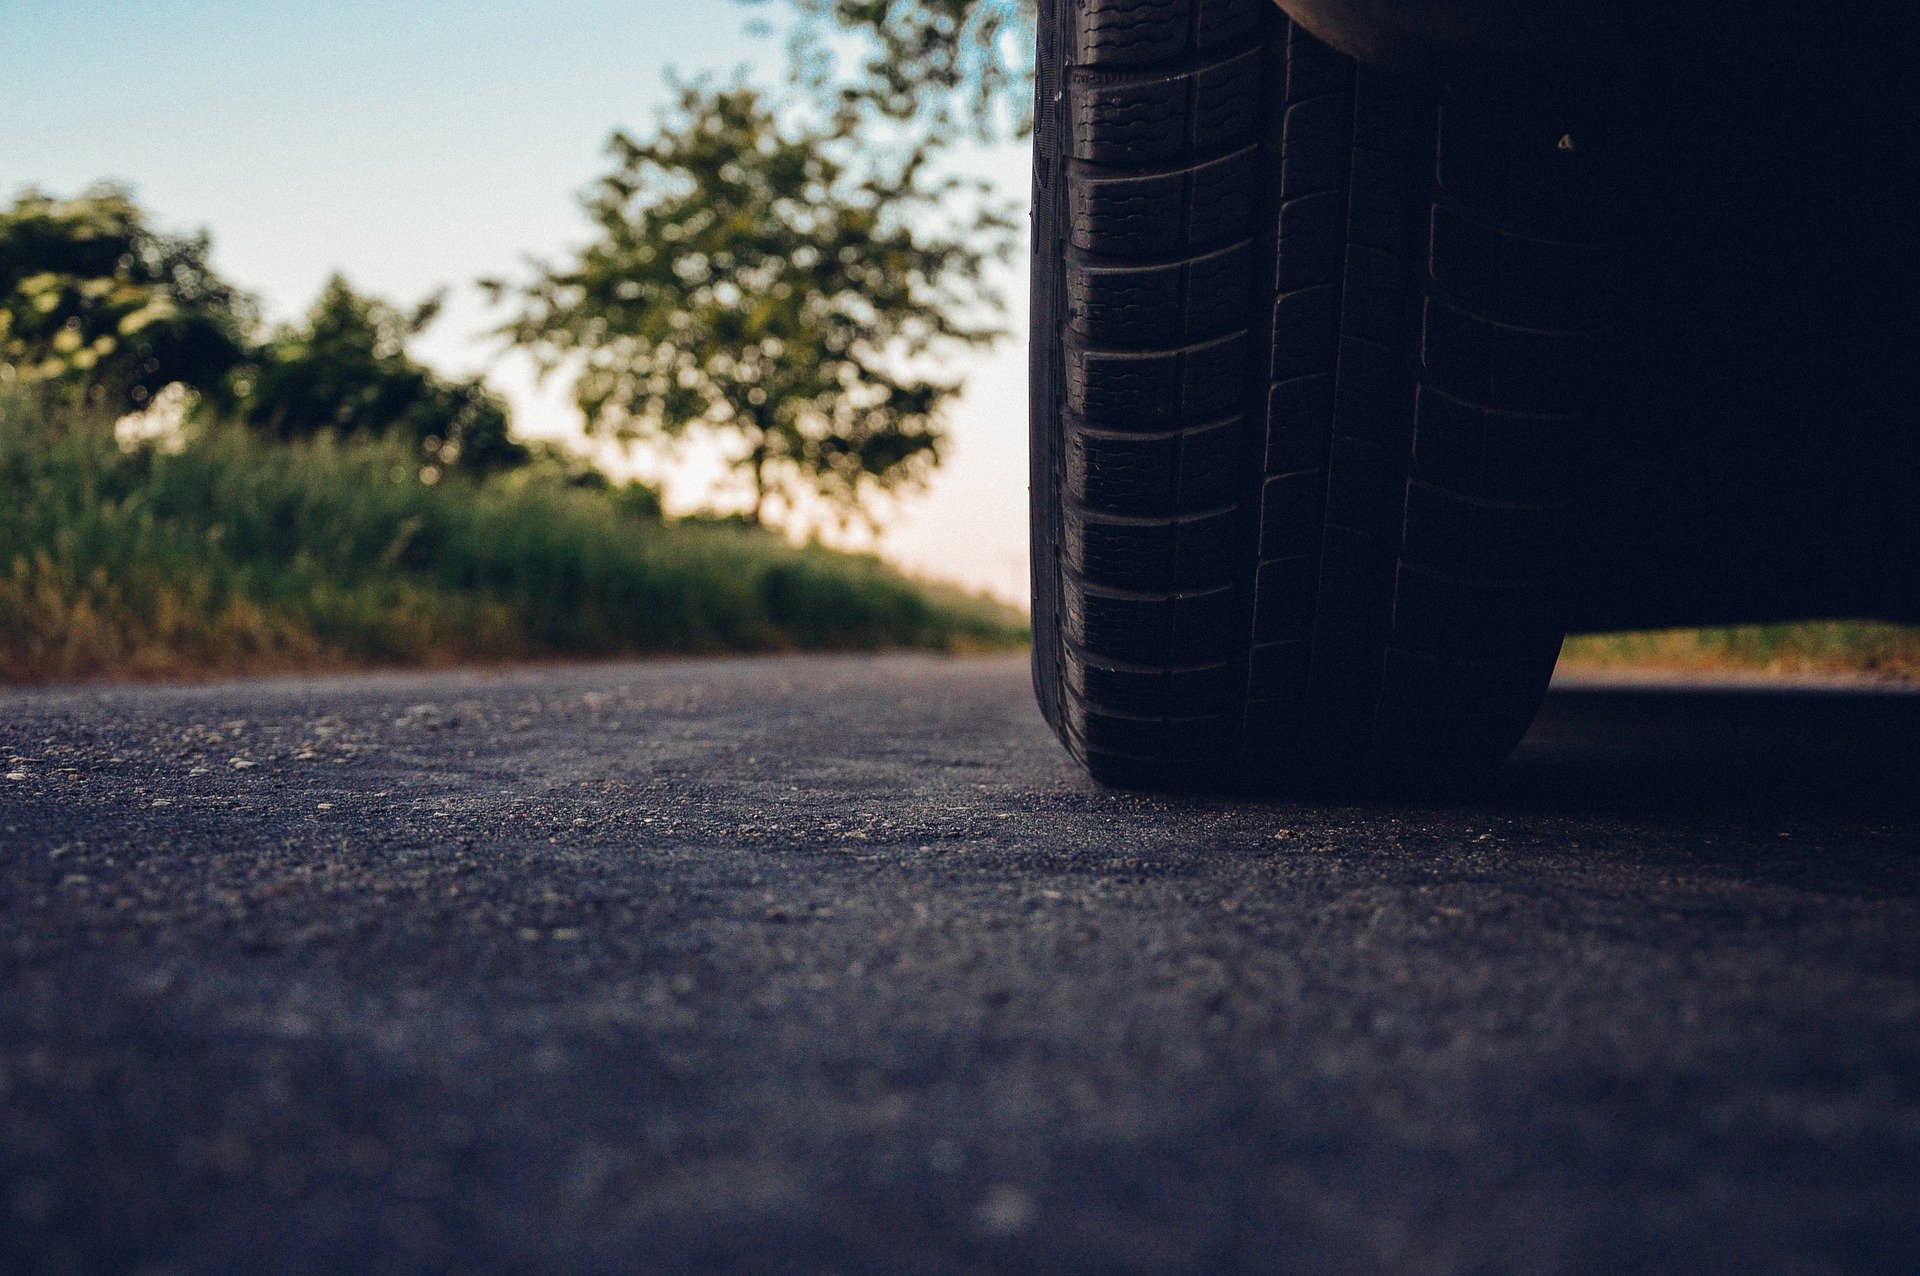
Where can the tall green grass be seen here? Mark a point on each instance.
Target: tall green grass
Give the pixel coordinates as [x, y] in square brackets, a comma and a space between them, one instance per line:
[237, 555]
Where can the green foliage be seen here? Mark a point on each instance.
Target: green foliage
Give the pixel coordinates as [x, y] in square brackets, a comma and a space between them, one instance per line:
[778, 288]
[239, 554]
[99, 309]
[346, 372]
[943, 62]
[100, 312]
[556, 463]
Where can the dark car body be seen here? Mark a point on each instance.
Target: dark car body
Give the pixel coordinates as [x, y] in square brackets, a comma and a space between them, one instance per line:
[1428, 34]
[1762, 458]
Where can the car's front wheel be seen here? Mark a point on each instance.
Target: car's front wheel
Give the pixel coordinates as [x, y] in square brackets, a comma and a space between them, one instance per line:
[1310, 347]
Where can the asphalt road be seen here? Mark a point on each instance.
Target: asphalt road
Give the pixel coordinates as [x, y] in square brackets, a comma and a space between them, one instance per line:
[838, 965]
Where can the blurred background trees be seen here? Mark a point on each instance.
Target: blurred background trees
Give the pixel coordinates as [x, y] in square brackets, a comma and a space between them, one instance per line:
[943, 63]
[781, 289]
[785, 276]
[345, 370]
[100, 313]
[98, 309]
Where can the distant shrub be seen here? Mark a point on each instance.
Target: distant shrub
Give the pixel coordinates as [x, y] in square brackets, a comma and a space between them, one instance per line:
[345, 370]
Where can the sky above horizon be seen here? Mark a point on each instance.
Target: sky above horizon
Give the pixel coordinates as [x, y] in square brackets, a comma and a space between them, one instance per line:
[425, 145]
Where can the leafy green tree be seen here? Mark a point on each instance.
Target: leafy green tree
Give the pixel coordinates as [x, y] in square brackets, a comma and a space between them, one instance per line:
[99, 308]
[782, 289]
[942, 62]
[346, 371]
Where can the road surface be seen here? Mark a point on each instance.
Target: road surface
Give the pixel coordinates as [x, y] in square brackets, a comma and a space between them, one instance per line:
[838, 965]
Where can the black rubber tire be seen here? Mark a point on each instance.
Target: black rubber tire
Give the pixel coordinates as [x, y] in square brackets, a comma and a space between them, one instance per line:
[1309, 347]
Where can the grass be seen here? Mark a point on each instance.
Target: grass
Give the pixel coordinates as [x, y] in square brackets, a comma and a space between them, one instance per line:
[1864, 648]
[235, 556]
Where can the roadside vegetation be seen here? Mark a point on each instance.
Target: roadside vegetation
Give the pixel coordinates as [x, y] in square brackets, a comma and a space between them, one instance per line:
[235, 554]
[1860, 648]
[185, 490]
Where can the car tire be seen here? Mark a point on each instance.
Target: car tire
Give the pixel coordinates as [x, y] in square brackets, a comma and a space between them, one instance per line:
[1313, 348]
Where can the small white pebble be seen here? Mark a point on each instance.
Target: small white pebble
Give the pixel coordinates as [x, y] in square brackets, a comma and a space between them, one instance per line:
[16, 775]
[1006, 1211]
[242, 764]
[323, 806]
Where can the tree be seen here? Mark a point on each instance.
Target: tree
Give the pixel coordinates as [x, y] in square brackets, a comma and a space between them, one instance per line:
[778, 289]
[939, 61]
[99, 308]
[346, 371]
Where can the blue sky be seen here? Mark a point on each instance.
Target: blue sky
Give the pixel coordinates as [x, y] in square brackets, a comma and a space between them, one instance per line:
[416, 144]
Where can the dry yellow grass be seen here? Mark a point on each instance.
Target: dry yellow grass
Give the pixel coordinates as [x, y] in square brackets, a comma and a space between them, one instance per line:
[1856, 648]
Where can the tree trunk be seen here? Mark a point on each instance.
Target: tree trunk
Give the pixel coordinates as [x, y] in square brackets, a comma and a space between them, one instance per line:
[759, 461]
